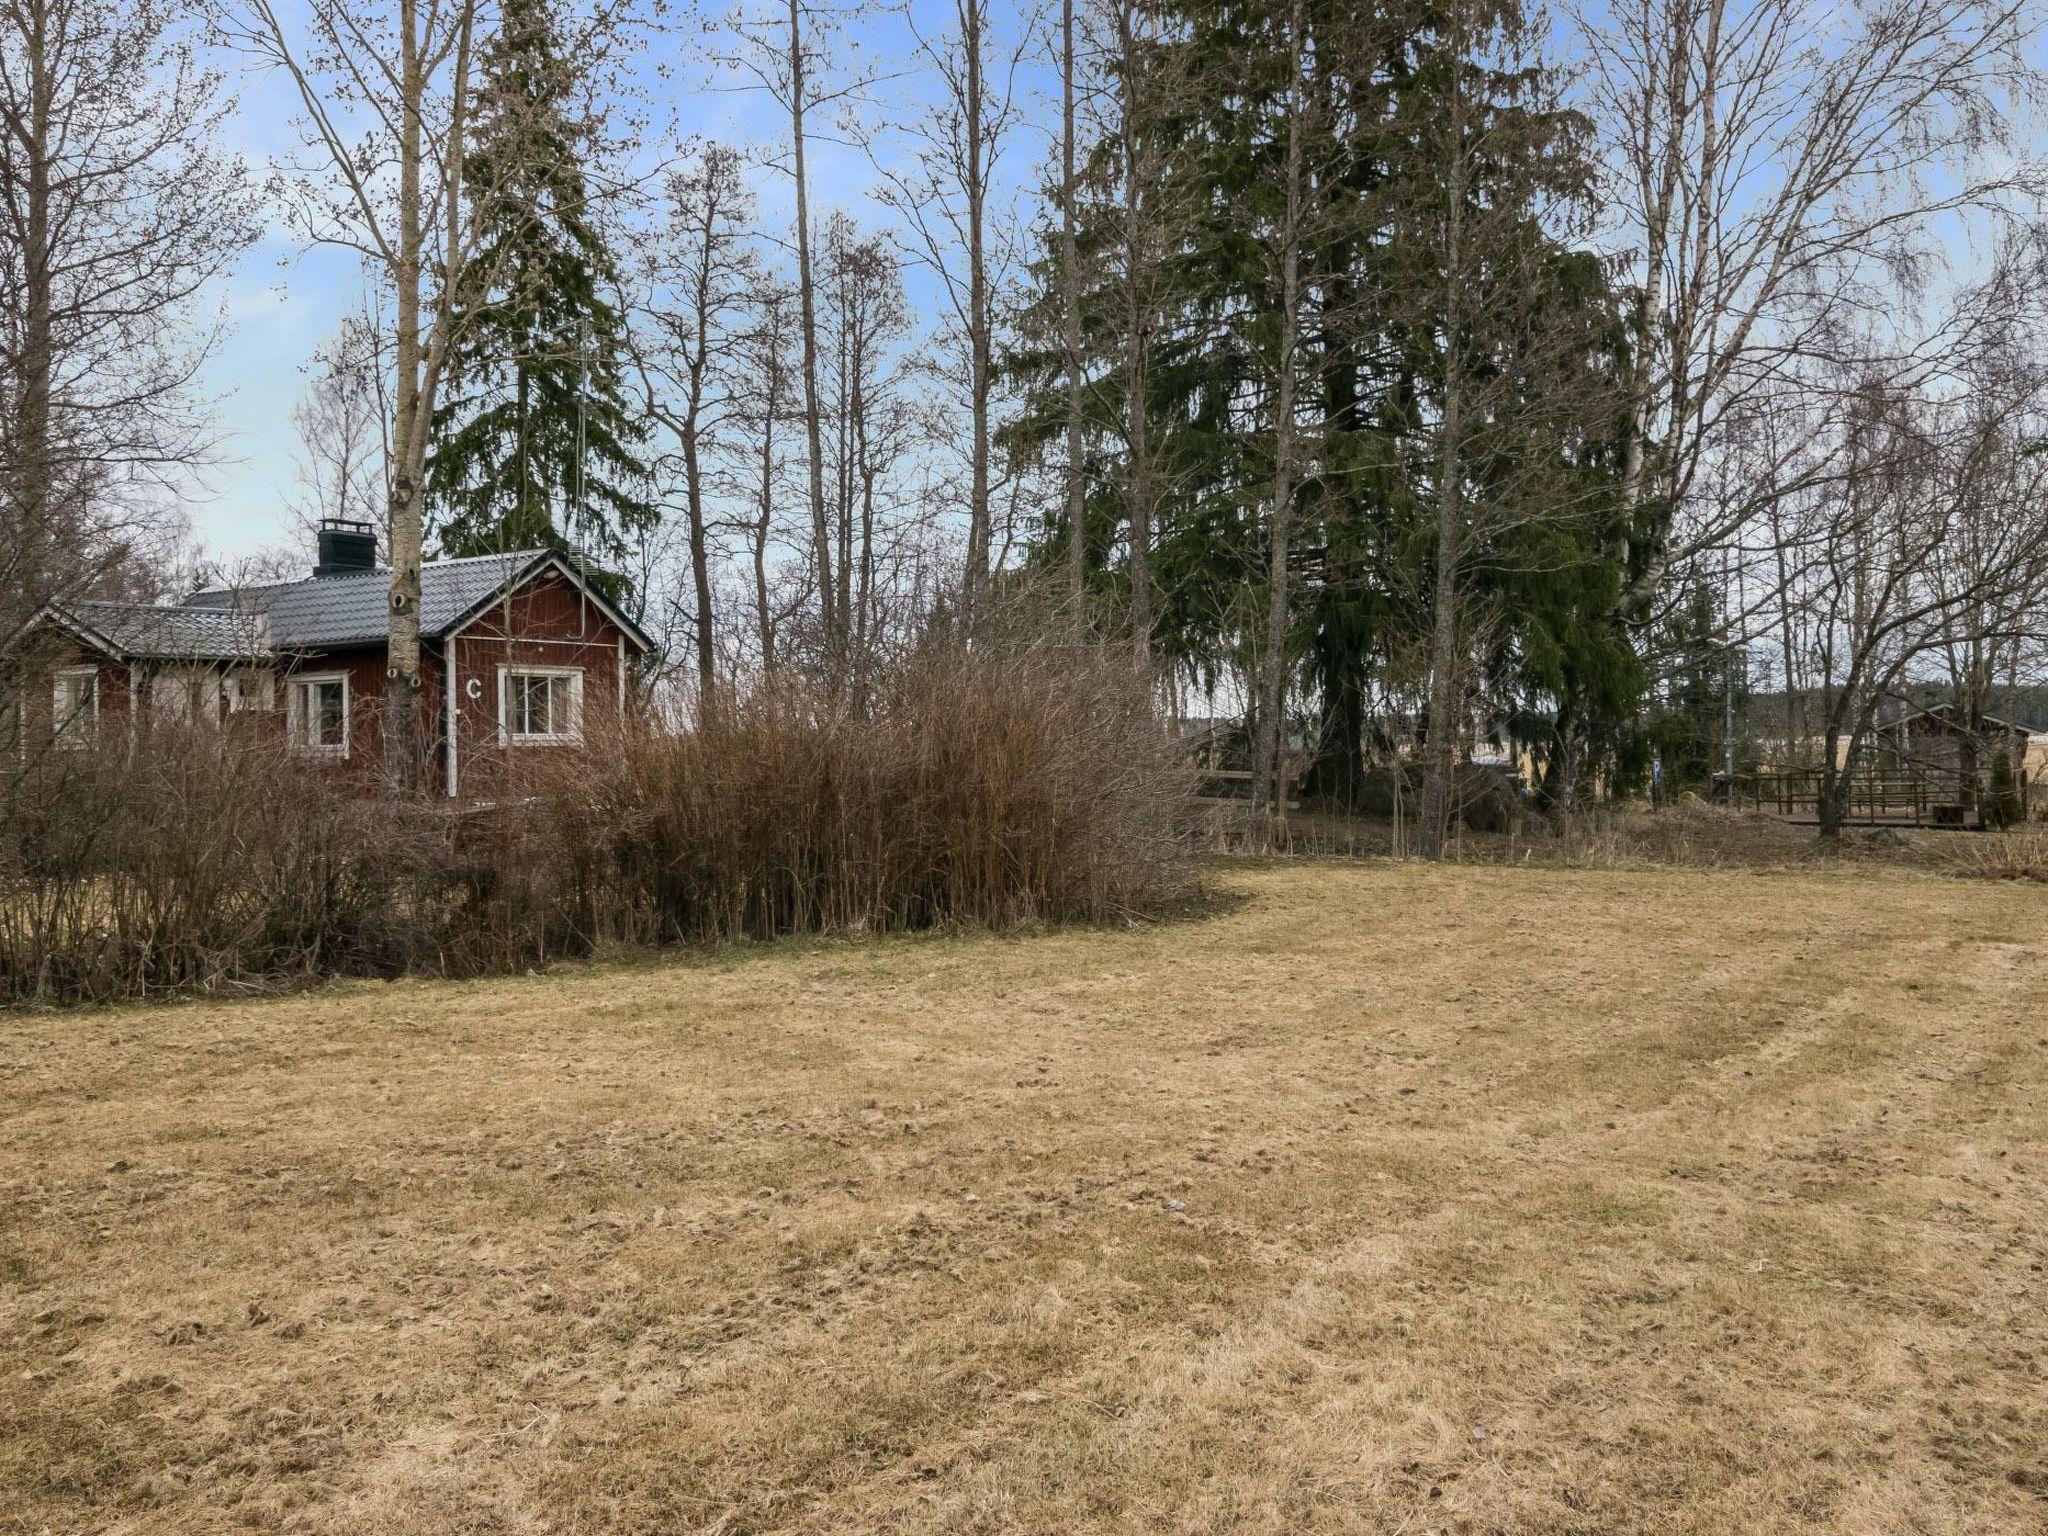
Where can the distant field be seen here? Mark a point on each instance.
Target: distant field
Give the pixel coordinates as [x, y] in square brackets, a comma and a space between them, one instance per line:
[1385, 1199]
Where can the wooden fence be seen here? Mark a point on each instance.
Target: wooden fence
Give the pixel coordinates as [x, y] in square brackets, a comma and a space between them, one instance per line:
[1878, 797]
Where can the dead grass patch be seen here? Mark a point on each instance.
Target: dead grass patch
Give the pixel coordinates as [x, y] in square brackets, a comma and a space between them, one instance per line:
[1393, 1198]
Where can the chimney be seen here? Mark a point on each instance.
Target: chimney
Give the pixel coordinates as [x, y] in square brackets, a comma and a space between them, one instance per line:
[346, 547]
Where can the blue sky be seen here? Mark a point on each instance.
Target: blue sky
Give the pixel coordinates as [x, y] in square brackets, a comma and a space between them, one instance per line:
[283, 300]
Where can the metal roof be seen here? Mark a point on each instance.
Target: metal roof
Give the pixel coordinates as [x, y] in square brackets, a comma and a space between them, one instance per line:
[323, 612]
[316, 613]
[142, 629]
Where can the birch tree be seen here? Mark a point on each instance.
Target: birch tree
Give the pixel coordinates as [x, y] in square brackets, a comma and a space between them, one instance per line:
[118, 206]
[385, 101]
[944, 197]
[765, 401]
[783, 46]
[1917, 469]
[873, 426]
[700, 273]
[1775, 168]
[1076, 477]
[1929, 552]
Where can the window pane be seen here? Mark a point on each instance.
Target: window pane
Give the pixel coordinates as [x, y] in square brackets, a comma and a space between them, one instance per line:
[541, 705]
[332, 723]
[533, 705]
[73, 698]
[248, 691]
[323, 713]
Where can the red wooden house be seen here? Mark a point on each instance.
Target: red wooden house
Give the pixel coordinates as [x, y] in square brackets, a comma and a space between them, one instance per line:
[519, 652]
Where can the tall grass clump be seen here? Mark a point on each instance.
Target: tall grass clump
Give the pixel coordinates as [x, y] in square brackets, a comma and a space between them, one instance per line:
[1008, 781]
[2019, 854]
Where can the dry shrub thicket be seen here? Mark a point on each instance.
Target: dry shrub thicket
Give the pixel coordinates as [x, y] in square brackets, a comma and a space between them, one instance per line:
[2018, 854]
[1017, 780]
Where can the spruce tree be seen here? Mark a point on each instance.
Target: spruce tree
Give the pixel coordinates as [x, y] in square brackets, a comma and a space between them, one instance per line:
[534, 444]
[1372, 376]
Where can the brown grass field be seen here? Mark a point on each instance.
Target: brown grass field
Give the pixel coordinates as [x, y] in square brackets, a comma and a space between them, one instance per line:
[1380, 1199]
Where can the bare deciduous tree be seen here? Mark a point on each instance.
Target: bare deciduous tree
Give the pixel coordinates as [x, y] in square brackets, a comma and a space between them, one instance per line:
[343, 421]
[765, 400]
[784, 48]
[385, 102]
[944, 195]
[1930, 549]
[118, 204]
[699, 274]
[1777, 168]
[1070, 321]
[866, 316]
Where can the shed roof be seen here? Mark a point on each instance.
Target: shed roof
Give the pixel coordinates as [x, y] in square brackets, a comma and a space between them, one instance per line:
[1944, 715]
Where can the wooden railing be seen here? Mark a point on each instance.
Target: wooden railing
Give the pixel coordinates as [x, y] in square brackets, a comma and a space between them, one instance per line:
[1877, 796]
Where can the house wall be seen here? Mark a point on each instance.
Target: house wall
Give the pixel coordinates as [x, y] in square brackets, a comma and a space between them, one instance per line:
[364, 668]
[38, 668]
[546, 623]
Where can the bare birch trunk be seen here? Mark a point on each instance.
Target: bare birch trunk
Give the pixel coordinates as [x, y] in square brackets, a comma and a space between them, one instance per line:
[30, 449]
[1137, 353]
[1269, 785]
[1446, 671]
[979, 363]
[821, 533]
[1070, 294]
[403, 747]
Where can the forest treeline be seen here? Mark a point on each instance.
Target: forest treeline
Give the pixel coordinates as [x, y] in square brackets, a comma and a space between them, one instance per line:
[1392, 378]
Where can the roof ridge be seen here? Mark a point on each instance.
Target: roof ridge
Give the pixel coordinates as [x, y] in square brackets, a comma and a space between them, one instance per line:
[137, 605]
[375, 570]
[510, 554]
[250, 586]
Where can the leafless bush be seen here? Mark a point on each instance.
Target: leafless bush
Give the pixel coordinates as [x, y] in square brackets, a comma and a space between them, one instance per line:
[203, 859]
[1007, 782]
[2021, 854]
[1010, 781]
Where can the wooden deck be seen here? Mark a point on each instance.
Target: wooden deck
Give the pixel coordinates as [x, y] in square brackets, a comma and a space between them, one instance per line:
[1897, 798]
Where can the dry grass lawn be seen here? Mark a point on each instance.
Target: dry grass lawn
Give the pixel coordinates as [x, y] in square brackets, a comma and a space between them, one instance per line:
[1388, 1199]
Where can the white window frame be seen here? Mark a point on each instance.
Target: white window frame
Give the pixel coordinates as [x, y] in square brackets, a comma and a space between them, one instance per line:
[58, 722]
[507, 737]
[295, 724]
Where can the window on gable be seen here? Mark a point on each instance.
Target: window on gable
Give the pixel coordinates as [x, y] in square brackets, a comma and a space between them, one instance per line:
[75, 705]
[318, 708]
[541, 704]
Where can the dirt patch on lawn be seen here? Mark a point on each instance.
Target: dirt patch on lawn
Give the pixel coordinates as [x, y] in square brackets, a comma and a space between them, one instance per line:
[1462, 1199]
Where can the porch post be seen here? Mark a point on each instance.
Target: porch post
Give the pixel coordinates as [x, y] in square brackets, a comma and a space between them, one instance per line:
[449, 719]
